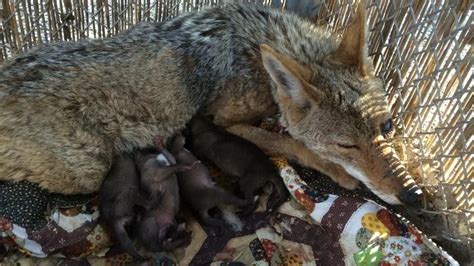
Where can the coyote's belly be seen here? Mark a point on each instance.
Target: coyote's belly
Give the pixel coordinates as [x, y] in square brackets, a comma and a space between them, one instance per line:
[41, 143]
[67, 146]
[66, 152]
[62, 131]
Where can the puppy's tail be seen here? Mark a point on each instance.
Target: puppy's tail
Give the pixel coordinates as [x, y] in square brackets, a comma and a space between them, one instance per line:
[125, 241]
[279, 194]
[232, 219]
[227, 202]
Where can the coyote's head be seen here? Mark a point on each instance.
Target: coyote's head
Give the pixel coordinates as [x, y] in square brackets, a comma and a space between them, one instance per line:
[337, 107]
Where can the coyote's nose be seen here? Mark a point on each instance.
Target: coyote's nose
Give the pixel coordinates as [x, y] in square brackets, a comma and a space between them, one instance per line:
[411, 197]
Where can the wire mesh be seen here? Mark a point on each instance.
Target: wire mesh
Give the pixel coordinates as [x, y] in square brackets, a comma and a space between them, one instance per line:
[422, 49]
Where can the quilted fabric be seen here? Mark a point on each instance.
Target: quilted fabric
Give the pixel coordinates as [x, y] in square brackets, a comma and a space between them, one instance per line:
[316, 226]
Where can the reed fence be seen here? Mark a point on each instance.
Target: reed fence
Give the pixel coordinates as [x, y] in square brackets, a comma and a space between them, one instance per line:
[422, 49]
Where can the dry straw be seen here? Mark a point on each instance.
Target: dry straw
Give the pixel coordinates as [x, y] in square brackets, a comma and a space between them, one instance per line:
[423, 50]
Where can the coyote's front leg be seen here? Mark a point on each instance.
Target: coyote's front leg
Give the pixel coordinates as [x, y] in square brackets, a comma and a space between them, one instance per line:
[280, 145]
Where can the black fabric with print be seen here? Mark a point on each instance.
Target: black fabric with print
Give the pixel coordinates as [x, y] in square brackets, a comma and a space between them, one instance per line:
[324, 184]
[26, 204]
[69, 201]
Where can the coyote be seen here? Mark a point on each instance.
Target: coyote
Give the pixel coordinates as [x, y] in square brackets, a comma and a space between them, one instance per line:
[68, 108]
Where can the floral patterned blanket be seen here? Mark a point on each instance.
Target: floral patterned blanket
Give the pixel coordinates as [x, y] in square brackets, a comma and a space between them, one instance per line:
[316, 226]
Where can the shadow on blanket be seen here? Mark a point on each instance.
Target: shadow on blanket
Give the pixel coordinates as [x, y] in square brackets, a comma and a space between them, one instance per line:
[322, 224]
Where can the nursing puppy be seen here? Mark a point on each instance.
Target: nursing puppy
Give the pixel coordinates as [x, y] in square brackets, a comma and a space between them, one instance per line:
[157, 228]
[197, 187]
[119, 196]
[238, 158]
[157, 171]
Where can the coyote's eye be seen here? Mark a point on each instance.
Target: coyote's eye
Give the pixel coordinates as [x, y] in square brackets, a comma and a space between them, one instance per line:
[386, 127]
[347, 146]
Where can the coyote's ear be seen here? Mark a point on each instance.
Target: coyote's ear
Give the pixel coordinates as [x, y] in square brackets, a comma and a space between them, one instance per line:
[290, 76]
[353, 47]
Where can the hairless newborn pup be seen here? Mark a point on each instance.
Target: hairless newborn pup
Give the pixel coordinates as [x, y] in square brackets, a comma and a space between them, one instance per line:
[238, 158]
[197, 188]
[119, 196]
[157, 228]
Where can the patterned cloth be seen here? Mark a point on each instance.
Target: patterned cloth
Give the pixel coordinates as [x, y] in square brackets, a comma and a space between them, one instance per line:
[315, 227]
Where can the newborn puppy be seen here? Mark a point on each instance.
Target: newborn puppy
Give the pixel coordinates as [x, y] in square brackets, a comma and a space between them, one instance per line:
[238, 158]
[119, 195]
[197, 188]
[157, 228]
[155, 168]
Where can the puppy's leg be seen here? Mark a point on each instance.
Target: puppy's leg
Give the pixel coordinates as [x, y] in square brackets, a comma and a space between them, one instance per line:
[228, 198]
[168, 156]
[173, 169]
[124, 240]
[248, 185]
[206, 218]
[280, 145]
[219, 225]
[180, 239]
[165, 172]
[279, 192]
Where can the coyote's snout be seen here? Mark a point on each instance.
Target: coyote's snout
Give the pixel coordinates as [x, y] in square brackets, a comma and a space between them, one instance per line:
[337, 108]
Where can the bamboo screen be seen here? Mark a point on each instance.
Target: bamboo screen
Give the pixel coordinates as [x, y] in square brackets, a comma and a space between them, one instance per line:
[423, 50]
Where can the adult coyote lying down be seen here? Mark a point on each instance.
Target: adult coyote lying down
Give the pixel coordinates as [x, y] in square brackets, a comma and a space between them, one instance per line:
[68, 108]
